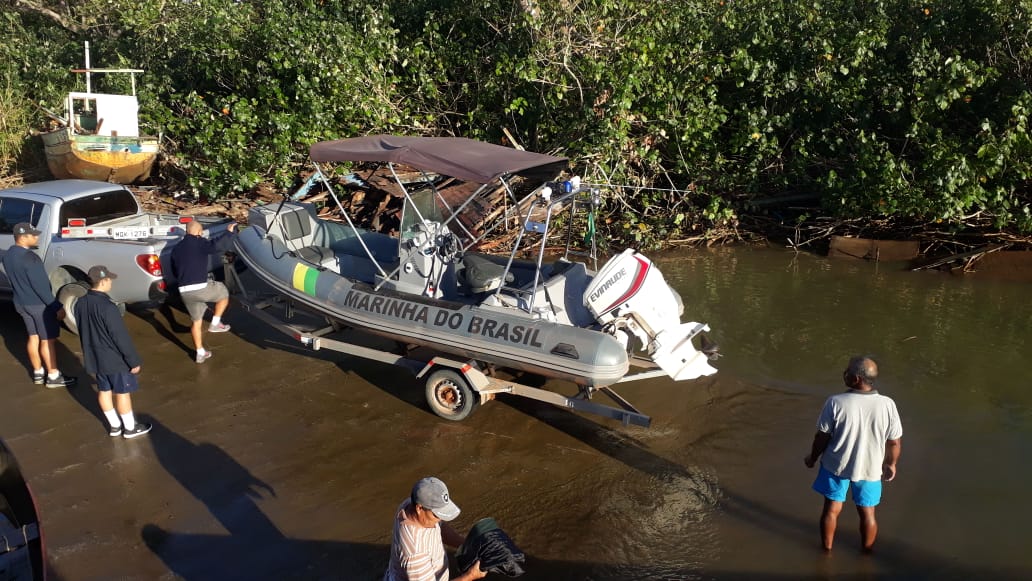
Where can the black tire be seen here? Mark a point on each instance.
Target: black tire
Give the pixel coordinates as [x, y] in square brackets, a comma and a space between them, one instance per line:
[67, 296]
[450, 395]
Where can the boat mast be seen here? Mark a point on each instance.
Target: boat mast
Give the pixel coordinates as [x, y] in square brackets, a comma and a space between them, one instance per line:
[88, 70]
[87, 43]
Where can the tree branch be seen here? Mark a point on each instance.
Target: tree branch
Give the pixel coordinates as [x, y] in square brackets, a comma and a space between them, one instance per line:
[32, 7]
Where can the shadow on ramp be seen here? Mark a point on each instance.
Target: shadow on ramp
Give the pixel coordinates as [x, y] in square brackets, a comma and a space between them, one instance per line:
[168, 329]
[198, 557]
[253, 547]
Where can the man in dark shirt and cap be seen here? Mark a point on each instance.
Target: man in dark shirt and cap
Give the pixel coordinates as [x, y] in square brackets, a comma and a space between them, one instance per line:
[108, 353]
[35, 302]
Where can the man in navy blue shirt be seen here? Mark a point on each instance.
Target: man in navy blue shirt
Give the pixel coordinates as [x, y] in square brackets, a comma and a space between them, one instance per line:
[35, 302]
[190, 267]
[108, 353]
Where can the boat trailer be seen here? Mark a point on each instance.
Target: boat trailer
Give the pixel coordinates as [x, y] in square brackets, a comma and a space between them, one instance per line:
[454, 389]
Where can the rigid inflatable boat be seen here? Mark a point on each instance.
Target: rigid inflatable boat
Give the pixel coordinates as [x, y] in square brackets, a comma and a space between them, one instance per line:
[428, 286]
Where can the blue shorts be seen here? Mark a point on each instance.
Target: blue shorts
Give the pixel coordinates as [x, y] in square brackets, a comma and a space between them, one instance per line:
[865, 492]
[124, 382]
[41, 320]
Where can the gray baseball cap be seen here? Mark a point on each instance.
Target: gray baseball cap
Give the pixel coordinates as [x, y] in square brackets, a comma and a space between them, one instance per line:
[99, 273]
[25, 229]
[432, 494]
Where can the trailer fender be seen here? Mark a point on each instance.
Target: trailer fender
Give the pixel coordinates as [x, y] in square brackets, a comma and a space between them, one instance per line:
[472, 373]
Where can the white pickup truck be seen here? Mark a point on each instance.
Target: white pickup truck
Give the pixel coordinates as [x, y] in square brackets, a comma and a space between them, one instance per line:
[84, 223]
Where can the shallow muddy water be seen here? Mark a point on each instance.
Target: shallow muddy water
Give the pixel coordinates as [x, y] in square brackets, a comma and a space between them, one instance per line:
[273, 462]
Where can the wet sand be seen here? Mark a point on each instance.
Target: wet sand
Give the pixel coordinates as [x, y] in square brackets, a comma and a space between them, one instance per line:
[241, 472]
[271, 461]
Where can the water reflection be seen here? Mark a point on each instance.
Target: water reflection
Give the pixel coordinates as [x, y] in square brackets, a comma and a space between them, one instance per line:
[953, 354]
[793, 316]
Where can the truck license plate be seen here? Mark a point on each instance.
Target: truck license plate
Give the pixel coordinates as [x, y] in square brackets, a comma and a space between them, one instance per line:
[125, 233]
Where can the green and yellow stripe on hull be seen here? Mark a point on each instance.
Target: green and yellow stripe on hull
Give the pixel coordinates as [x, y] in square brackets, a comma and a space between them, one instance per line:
[305, 278]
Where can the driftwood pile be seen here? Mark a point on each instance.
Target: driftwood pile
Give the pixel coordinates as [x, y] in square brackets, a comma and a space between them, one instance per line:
[372, 198]
[815, 234]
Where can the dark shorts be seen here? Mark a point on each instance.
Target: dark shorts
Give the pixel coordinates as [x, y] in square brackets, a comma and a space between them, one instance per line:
[124, 382]
[41, 320]
[196, 301]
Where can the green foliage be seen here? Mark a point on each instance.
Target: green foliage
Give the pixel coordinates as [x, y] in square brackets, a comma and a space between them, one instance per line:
[242, 89]
[28, 75]
[887, 108]
[13, 120]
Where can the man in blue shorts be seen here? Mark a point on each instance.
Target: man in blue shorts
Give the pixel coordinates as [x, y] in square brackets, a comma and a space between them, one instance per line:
[35, 302]
[858, 441]
[108, 353]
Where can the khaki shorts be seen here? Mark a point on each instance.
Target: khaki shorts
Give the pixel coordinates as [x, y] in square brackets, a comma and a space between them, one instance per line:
[196, 301]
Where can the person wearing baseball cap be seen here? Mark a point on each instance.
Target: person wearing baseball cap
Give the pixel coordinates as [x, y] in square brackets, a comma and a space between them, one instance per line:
[108, 353]
[25, 229]
[35, 302]
[421, 530]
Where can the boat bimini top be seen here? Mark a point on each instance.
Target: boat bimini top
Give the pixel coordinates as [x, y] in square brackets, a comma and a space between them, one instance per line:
[466, 159]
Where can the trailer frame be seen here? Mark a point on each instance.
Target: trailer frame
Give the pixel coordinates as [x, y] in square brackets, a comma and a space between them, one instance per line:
[479, 381]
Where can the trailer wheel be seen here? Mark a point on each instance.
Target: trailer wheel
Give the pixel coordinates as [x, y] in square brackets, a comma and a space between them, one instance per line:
[450, 396]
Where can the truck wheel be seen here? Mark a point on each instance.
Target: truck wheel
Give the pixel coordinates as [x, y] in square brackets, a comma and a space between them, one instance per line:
[450, 396]
[67, 296]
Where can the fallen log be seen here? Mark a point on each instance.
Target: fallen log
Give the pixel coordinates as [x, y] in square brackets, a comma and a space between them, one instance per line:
[877, 250]
[970, 257]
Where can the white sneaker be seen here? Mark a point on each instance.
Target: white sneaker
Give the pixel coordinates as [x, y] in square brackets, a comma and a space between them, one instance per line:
[220, 328]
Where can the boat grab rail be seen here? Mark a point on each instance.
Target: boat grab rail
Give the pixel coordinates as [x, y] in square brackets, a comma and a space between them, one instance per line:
[347, 216]
[551, 204]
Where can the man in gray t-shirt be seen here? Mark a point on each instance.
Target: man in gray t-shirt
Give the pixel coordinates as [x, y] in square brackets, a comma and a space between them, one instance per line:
[858, 441]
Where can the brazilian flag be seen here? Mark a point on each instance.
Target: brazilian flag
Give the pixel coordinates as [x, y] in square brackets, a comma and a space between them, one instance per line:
[304, 278]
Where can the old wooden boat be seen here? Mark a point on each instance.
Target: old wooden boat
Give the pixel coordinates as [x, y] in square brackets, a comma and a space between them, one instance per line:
[98, 138]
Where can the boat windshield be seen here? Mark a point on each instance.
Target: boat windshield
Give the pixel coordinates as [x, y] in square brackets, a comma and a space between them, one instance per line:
[420, 206]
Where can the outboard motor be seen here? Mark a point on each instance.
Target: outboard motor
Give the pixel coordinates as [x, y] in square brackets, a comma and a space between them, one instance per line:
[629, 296]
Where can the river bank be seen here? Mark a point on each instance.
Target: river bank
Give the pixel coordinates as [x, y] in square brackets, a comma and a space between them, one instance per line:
[979, 250]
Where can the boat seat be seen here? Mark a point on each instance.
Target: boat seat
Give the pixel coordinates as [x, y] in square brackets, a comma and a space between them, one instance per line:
[482, 274]
[318, 255]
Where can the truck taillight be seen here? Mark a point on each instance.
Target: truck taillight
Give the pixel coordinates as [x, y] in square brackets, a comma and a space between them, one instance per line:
[150, 263]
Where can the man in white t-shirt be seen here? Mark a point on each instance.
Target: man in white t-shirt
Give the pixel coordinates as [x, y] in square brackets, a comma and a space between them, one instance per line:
[858, 441]
[420, 532]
